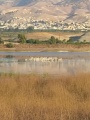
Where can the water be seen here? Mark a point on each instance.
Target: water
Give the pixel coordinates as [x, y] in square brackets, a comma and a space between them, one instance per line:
[52, 54]
[66, 63]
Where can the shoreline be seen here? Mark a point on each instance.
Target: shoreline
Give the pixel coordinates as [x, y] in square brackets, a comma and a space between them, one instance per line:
[48, 48]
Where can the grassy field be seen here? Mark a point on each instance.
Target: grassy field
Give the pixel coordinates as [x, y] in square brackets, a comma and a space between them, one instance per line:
[47, 47]
[47, 35]
[8, 37]
[44, 97]
[40, 35]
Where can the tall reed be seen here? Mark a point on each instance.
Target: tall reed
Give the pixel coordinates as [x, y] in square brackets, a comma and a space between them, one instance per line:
[44, 97]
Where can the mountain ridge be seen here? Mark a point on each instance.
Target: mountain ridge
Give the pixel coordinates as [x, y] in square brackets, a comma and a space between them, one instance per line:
[69, 11]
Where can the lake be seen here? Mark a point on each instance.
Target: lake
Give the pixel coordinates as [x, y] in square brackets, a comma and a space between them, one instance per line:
[61, 62]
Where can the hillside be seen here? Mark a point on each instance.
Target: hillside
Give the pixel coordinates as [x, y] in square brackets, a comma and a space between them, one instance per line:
[63, 9]
[68, 11]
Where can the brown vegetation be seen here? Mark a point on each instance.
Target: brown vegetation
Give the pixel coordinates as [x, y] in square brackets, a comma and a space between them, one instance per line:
[43, 47]
[44, 97]
[47, 47]
[40, 35]
[47, 35]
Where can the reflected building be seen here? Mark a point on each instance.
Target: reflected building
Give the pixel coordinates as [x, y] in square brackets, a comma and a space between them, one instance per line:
[65, 66]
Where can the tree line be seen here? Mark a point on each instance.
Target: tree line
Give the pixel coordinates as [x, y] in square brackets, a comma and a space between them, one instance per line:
[52, 40]
[22, 39]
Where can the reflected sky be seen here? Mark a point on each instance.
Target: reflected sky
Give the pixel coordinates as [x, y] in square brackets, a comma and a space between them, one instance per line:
[63, 54]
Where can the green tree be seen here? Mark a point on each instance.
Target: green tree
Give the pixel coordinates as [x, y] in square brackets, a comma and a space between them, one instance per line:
[22, 38]
[64, 41]
[84, 41]
[69, 41]
[30, 29]
[1, 41]
[52, 40]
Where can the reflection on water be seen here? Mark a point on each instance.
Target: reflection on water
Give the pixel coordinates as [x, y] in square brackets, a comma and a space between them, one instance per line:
[63, 54]
[45, 62]
[63, 66]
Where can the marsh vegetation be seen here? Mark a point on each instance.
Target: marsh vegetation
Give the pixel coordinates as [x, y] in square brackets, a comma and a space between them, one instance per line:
[44, 40]
[44, 97]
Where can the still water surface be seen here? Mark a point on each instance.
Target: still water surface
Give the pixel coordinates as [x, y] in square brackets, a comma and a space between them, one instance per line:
[20, 62]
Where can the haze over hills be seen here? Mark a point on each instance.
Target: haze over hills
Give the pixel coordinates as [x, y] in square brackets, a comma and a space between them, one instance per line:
[77, 11]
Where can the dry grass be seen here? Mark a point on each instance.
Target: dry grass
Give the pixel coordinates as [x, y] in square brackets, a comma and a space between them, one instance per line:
[41, 35]
[44, 97]
[47, 35]
[47, 47]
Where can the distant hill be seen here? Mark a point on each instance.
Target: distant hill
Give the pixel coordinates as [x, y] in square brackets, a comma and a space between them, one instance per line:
[85, 37]
[23, 2]
[66, 10]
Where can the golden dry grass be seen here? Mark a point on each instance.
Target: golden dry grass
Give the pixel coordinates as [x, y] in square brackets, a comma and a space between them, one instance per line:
[47, 35]
[44, 97]
[47, 47]
[41, 35]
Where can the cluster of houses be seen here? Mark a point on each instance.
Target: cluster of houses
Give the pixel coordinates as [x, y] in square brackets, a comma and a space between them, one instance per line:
[22, 23]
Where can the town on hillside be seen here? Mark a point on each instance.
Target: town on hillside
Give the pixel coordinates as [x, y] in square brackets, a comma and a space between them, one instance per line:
[22, 23]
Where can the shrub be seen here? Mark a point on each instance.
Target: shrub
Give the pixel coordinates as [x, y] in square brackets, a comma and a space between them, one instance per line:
[32, 41]
[1, 41]
[53, 40]
[22, 38]
[9, 45]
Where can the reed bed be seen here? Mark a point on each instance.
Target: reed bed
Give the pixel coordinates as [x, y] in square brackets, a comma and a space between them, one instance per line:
[44, 97]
